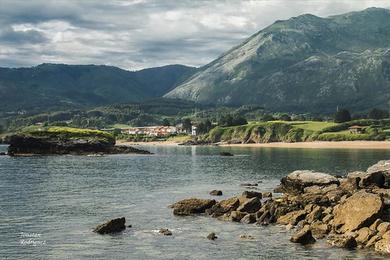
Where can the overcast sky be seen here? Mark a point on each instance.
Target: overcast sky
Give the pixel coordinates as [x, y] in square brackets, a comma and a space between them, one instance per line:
[142, 33]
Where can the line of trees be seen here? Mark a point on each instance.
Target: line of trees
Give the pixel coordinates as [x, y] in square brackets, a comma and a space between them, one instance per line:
[343, 115]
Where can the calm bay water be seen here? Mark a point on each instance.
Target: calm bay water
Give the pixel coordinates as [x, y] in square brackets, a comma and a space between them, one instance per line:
[50, 204]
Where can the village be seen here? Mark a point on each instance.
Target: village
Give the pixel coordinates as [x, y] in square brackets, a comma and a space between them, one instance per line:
[159, 131]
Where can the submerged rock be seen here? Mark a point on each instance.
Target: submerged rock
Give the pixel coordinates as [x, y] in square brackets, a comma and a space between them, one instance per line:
[252, 194]
[111, 226]
[226, 154]
[359, 210]
[216, 193]
[212, 236]
[192, 206]
[165, 232]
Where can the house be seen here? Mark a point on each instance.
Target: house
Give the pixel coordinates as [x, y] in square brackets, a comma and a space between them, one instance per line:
[150, 130]
[194, 130]
[356, 129]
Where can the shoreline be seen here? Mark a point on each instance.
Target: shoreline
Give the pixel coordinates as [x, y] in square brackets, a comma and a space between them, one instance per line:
[384, 145]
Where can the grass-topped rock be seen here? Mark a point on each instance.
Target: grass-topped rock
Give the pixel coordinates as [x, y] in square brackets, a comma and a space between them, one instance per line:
[65, 140]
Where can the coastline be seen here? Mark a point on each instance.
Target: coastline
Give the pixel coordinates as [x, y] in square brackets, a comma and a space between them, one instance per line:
[303, 145]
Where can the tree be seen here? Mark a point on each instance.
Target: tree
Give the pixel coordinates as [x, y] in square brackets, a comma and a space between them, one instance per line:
[342, 115]
[187, 124]
[285, 117]
[165, 122]
[267, 117]
[376, 113]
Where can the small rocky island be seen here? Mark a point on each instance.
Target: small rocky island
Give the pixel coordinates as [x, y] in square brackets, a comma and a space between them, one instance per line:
[65, 140]
[351, 212]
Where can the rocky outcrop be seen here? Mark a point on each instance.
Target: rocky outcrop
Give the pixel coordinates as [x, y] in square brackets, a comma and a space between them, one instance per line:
[111, 226]
[46, 143]
[351, 212]
[192, 206]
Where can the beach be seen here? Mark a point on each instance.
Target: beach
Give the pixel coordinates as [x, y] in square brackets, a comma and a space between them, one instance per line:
[306, 145]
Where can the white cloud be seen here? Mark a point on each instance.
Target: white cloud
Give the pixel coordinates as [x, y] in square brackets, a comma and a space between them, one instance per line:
[143, 33]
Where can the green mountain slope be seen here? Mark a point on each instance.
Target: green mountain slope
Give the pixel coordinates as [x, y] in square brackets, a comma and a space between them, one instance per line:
[58, 86]
[306, 63]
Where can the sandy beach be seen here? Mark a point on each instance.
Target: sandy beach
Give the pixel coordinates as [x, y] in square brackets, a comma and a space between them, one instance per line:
[306, 145]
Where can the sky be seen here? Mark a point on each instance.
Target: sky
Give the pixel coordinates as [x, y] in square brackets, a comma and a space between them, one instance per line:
[143, 33]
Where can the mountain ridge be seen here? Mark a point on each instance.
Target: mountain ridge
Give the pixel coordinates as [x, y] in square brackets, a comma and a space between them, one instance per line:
[51, 86]
[261, 69]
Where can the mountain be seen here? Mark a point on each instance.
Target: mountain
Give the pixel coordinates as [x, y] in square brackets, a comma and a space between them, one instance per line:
[58, 86]
[306, 63]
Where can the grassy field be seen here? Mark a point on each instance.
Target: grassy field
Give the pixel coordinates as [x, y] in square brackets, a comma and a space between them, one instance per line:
[299, 131]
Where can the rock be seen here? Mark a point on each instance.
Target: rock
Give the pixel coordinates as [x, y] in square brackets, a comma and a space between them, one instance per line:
[224, 206]
[319, 229]
[225, 154]
[236, 216]
[364, 234]
[315, 214]
[350, 185]
[380, 173]
[246, 237]
[212, 236]
[111, 226]
[303, 236]
[296, 181]
[67, 141]
[216, 193]
[3, 153]
[371, 242]
[376, 223]
[359, 210]
[343, 241]
[165, 232]
[383, 246]
[292, 217]
[383, 228]
[386, 235]
[250, 206]
[320, 189]
[249, 184]
[252, 194]
[192, 206]
[249, 219]
[267, 194]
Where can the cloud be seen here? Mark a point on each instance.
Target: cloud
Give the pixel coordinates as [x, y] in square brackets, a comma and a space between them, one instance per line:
[143, 33]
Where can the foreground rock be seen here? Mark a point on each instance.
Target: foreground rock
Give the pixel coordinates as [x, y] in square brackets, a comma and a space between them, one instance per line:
[351, 212]
[192, 206]
[67, 141]
[111, 226]
[359, 210]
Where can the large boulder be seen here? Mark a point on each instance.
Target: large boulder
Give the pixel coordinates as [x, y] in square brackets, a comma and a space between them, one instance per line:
[111, 226]
[297, 181]
[192, 206]
[292, 217]
[359, 210]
